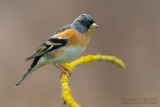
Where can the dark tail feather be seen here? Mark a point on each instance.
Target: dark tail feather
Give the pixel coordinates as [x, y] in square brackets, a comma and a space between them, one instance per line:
[24, 76]
[31, 69]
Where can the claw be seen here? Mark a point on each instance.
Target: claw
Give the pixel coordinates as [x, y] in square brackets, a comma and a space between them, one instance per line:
[64, 70]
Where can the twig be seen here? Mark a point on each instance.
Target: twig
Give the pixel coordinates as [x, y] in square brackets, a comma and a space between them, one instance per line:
[66, 92]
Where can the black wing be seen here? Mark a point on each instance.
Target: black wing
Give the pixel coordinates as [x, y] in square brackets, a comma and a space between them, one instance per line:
[48, 46]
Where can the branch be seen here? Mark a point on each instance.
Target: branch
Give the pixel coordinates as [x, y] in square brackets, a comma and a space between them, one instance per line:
[66, 92]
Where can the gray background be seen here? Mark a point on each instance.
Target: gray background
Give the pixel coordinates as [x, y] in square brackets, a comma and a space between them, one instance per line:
[128, 29]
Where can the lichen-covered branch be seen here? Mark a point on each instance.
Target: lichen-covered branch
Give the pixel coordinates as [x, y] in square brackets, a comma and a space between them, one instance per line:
[66, 92]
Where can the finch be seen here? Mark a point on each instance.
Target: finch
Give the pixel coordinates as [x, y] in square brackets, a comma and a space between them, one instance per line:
[64, 45]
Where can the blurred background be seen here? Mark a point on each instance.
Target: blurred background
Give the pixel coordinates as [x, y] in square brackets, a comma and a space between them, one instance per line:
[128, 29]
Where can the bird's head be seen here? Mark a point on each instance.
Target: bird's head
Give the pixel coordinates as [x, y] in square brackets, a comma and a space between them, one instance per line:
[83, 23]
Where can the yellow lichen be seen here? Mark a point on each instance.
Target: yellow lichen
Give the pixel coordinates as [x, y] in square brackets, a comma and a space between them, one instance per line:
[66, 92]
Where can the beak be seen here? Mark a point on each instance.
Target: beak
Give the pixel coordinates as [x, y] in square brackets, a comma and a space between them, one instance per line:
[93, 26]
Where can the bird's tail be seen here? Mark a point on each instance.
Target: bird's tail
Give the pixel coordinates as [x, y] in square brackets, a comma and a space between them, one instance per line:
[25, 75]
[34, 66]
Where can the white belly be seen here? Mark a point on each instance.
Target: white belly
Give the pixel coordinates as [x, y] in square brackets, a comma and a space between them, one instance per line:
[69, 55]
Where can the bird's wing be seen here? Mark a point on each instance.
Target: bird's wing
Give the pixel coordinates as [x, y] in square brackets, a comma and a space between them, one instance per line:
[48, 46]
[51, 44]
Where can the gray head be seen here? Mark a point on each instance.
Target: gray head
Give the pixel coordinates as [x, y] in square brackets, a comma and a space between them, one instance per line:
[83, 23]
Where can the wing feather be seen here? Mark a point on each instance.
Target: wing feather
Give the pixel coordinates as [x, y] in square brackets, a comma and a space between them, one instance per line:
[48, 46]
[51, 44]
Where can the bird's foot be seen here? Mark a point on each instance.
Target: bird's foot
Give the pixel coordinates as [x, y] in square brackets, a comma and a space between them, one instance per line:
[64, 70]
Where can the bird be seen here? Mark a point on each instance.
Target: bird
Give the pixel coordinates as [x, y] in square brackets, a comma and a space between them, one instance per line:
[65, 45]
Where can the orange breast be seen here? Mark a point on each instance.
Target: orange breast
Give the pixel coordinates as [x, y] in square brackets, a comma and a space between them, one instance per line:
[75, 39]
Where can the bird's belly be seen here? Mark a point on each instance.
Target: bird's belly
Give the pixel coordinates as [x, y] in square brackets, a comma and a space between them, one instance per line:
[67, 55]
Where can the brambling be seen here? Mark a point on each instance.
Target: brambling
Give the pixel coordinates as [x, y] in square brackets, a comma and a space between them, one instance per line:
[64, 45]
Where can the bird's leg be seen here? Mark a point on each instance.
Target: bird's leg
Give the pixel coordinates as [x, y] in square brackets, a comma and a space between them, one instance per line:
[64, 70]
